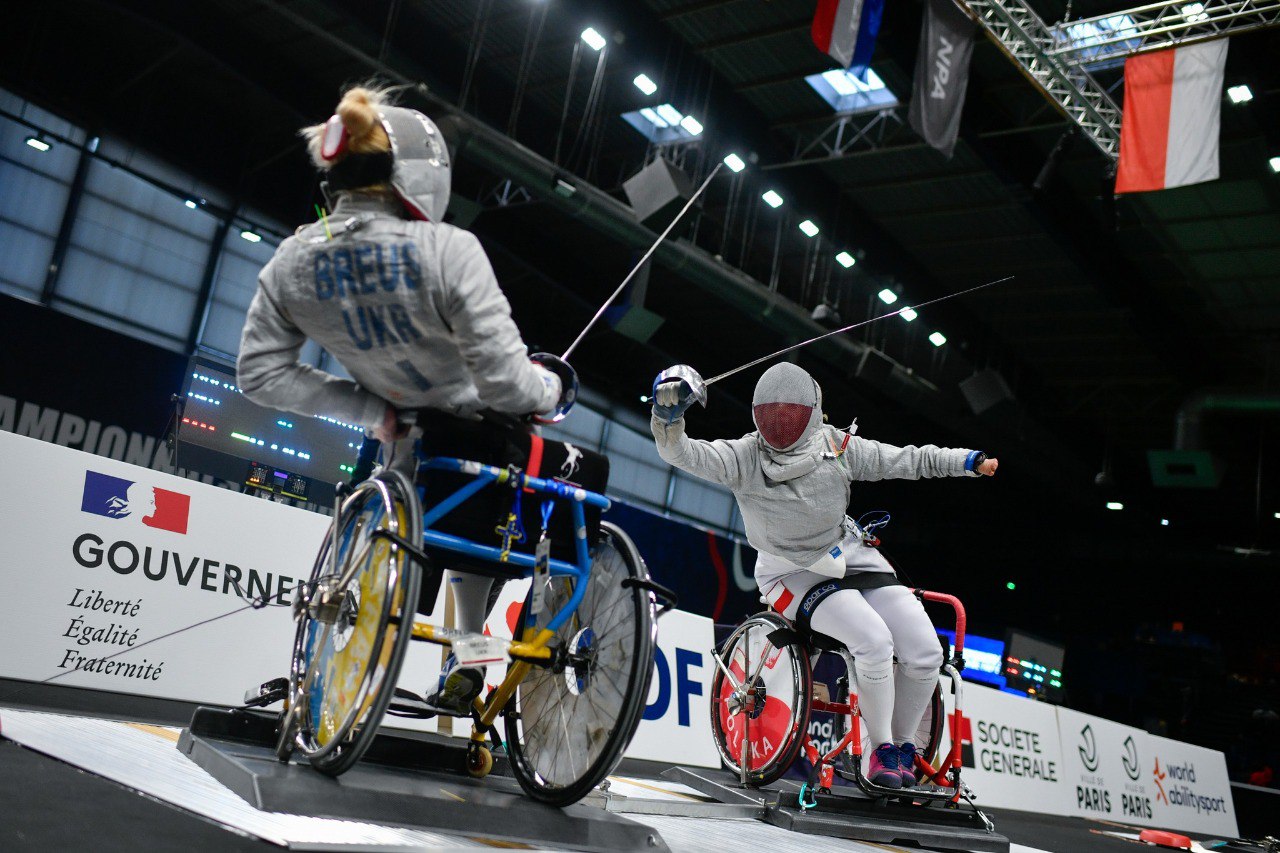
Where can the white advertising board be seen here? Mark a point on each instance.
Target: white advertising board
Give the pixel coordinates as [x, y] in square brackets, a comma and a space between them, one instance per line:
[122, 578]
[1011, 751]
[1122, 773]
[676, 725]
[1192, 790]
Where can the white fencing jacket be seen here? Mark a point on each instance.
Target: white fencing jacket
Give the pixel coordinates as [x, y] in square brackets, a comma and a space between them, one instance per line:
[793, 504]
[411, 309]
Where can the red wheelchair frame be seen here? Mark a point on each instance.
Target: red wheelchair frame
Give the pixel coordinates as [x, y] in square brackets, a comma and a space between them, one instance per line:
[742, 692]
[945, 775]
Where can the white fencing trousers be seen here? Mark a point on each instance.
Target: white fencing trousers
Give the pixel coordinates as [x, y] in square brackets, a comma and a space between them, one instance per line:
[875, 625]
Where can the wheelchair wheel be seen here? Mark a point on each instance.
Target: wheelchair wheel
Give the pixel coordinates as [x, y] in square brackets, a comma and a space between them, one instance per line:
[568, 724]
[927, 738]
[760, 716]
[351, 640]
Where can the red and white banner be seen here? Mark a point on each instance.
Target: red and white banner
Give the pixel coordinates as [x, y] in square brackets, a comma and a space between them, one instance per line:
[1172, 111]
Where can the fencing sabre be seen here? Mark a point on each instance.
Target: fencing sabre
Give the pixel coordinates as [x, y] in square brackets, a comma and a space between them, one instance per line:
[699, 388]
[638, 266]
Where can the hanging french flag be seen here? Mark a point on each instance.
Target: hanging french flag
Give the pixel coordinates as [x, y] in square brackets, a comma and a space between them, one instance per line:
[1172, 115]
[846, 31]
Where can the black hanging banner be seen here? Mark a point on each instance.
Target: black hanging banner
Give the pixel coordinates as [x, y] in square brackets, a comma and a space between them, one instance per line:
[942, 73]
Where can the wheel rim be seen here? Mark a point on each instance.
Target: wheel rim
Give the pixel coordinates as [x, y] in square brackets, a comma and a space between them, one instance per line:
[567, 718]
[766, 708]
[348, 660]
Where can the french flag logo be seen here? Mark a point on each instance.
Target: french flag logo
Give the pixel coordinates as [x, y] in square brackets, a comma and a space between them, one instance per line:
[135, 503]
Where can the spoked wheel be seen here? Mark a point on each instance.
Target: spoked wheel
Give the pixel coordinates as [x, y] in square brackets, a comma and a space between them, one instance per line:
[760, 708]
[567, 725]
[928, 733]
[353, 627]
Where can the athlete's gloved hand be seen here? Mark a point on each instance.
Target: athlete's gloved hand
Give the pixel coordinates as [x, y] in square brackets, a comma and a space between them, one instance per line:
[550, 390]
[675, 390]
[561, 383]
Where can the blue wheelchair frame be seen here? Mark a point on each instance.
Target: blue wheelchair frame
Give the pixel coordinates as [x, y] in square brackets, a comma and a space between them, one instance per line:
[486, 475]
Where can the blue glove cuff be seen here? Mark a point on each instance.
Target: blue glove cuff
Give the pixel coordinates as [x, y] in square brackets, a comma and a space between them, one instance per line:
[972, 459]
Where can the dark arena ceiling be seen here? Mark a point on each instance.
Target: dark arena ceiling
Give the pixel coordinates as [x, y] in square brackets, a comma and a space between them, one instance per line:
[1121, 312]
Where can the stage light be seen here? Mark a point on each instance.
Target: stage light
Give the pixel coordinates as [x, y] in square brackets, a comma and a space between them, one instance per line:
[670, 114]
[594, 40]
[1115, 505]
[692, 125]
[734, 162]
[1010, 585]
[1164, 522]
[1275, 164]
[772, 199]
[1240, 94]
[845, 260]
[809, 229]
[908, 314]
[38, 143]
[937, 339]
[644, 84]
[191, 204]
[887, 296]
[251, 236]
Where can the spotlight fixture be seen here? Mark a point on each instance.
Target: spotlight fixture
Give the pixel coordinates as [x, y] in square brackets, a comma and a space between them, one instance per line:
[1240, 94]
[1164, 522]
[887, 296]
[594, 40]
[846, 260]
[39, 143]
[734, 162]
[1275, 164]
[1116, 505]
[251, 236]
[644, 84]
[809, 229]
[772, 199]
[908, 314]
[692, 125]
[937, 339]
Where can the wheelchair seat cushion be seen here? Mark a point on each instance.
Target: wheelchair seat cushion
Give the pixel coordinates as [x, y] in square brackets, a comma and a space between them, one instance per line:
[501, 443]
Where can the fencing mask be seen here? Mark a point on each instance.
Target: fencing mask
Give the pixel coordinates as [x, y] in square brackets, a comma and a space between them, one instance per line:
[787, 406]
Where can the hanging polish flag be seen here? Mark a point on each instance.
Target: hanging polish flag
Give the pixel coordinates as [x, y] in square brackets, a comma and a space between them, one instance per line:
[1172, 111]
[846, 31]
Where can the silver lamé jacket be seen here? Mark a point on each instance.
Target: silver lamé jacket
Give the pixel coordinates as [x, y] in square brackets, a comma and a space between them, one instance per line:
[793, 504]
[411, 309]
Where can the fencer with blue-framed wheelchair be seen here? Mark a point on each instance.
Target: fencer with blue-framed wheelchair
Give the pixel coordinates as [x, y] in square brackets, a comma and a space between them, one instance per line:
[580, 662]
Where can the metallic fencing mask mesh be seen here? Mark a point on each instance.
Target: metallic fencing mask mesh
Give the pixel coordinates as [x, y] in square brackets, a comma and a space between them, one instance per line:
[787, 406]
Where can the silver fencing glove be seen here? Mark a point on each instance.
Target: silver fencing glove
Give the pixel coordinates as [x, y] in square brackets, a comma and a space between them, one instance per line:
[675, 390]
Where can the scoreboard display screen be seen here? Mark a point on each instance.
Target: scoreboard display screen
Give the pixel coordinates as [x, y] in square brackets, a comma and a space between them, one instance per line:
[224, 434]
[1033, 665]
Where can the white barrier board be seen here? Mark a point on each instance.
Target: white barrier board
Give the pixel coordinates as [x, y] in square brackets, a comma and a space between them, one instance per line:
[1010, 750]
[102, 559]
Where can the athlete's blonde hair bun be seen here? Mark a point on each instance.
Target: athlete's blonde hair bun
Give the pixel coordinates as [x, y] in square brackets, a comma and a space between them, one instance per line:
[358, 111]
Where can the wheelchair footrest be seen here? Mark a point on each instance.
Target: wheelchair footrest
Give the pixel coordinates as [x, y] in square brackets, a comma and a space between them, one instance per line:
[406, 703]
[266, 693]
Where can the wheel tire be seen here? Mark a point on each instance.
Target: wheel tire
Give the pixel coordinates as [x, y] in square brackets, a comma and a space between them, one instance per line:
[479, 762]
[603, 727]
[335, 724]
[928, 734]
[776, 731]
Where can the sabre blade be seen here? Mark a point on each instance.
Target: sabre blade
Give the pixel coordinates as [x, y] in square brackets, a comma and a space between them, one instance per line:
[656, 243]
[850, 327]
